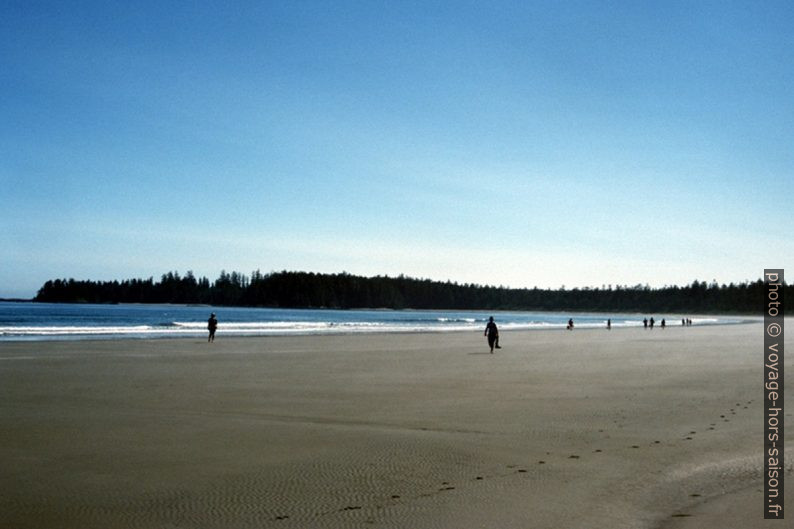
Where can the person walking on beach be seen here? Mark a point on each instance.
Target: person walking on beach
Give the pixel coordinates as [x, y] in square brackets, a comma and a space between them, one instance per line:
[492, 333]
[651, 323]
[663, 323]
[645, 322]
[570, 324]
[609, 324]
[212, 325]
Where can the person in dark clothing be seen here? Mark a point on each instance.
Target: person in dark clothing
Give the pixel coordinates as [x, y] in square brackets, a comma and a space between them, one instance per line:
[663, 323]
[651, 323]
[212, 325]
[492, 333]
[609, 324]
[570, 324]
[645, 323]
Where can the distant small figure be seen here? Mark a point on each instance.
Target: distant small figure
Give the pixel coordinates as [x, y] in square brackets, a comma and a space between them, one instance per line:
[651, 323]
[212, 325]
[609, 324]
[492, 333]
[688, 322]
[570, 324]
[663, 323]
[645, 322]
[683, 322]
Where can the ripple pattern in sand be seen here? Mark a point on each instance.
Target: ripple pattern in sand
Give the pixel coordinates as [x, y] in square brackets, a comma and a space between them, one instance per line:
[357, 488]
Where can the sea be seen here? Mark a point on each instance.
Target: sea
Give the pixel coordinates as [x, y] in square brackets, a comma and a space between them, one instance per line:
[59, 321]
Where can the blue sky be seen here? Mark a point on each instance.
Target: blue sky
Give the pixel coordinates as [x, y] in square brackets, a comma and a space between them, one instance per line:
[513, 143]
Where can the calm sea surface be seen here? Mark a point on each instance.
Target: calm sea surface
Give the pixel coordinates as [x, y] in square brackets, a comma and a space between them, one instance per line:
[42, 321]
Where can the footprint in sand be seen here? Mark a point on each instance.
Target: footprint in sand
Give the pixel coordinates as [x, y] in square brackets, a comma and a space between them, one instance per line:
[656, 442]
[695, 495]
[521, 470]
[597, 450]
[635, 446]
[541, 462]
[573, 456]
[395, 496]
[688, 438]
[478, 477]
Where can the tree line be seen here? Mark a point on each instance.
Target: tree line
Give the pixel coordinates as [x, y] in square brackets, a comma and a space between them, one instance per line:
[346, 291]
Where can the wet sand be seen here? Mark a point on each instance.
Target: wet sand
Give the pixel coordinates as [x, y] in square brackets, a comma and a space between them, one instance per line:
[582, 429]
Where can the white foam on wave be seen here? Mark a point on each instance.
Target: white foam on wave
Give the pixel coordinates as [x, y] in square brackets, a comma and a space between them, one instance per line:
[704, 321]
[274, 328]
[73, 330]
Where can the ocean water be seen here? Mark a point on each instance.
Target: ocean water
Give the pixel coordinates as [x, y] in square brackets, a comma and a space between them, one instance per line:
[42, 321]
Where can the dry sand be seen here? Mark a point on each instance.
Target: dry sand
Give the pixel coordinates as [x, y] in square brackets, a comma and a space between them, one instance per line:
[582, 429]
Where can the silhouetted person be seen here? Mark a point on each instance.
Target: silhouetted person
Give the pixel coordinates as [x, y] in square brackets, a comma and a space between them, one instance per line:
[651, 323]
[492, 333]
[663, 323]
[570, 324]
[683, 322]
[212, 325]
[645, 322]
[609, 324]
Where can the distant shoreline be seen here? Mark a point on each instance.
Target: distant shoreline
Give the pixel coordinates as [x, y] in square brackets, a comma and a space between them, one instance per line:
[345, 291]
[352, 309]
[242, 338]
[65, 321]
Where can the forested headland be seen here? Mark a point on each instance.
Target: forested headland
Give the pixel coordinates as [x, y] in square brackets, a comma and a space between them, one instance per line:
[346, 291]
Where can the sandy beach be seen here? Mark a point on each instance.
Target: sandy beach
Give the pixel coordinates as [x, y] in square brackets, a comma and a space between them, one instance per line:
[582, 429]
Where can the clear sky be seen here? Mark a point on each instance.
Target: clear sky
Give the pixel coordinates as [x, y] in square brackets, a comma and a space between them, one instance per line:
[514, 143]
